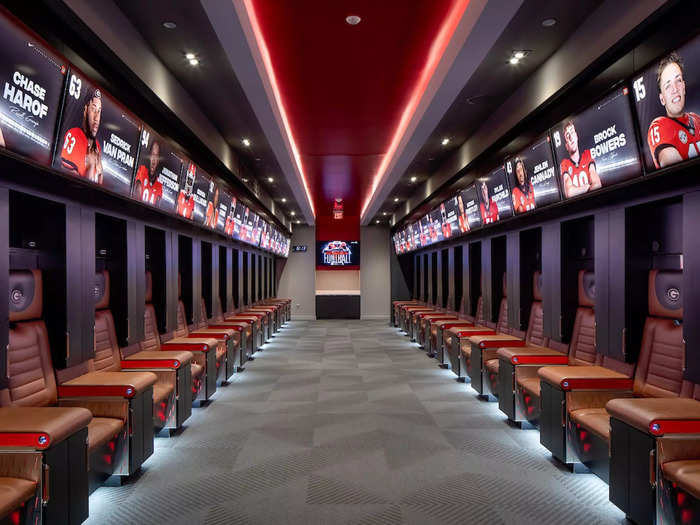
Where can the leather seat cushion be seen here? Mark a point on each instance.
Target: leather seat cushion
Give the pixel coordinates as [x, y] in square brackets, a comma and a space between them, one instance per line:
[531, 385]
[597, 420]
[686, 473]
[139, 381]
[161, 391]
[197, 370]
[492, 365]
[101, 430]
[58, 422]
[14, 492]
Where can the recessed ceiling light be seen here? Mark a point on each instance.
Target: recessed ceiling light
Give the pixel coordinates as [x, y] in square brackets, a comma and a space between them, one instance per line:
[246, 142]
[549, 22]
[353, 20]
[270, 180]
[194, 62]
[284, 199]
[377, 221]
[292, 213]
[514, 60]
[519, 55]
[298, 222]
[169, 25]
[396, 199]
[445, 141]
[190, 56]
[414, 178]
[384, 213]
[244, 180]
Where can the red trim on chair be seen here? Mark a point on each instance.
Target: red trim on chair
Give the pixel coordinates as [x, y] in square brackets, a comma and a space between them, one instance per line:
[593, 383]
[485, 331]
[659, 427]
[151, 363]
[218, 326]
[539, 359]
[191, 347]
[125, 391]
[220, 336]
[499, 343]
[447, 326]
[36, 440]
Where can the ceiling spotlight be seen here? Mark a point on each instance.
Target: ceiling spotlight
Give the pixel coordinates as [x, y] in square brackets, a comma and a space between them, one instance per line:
[298, 222]
[246, 142]
[292, 213]
[445, 141]
[194, 62]
[396, 199]
[353, 20]
[244, 180]
[414, 178]
[549, 22]
[519, 55]
[190, 56]
[514, 60]
[173, 25]
[270, 180]
[384, 213]
[377, 221]
[284, 199]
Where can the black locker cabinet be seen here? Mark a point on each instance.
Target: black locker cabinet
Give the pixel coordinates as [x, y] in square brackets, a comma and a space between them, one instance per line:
[237, 258]
[416, 277]
[513, 279]
[551, 280]
[691, 285]
[466, 280]
[486, 280]
[171, 281]
[424, 277]
[611, 297]
[438, 273]
[451, 292]
[136, 284]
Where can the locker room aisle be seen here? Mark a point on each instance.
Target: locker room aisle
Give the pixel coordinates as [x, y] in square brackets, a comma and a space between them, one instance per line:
[347, 422]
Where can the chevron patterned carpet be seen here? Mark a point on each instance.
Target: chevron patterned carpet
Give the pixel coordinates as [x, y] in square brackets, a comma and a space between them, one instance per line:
[347, 422]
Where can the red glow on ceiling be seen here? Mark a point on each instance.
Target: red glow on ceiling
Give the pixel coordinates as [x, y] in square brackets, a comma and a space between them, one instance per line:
[347, 94]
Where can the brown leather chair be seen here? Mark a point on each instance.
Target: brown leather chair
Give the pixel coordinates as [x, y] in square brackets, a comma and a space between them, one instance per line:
[455, 340]
[519, 384]
[659, 373]
[172, 369]
[441, 339]
[245, 328]
[677, 479]
[21, 491]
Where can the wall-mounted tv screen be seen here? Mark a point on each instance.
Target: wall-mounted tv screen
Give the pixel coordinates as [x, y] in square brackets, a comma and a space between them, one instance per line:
[415, 229]
[32, 80]
[435, 226]
[494, 197]
[338, 254]
[424, 225]
[224, 216]
[597, 147]
[450, 218]
[532, 177]
[98, 138]
[667, 95]
[469, 209]
[157, 179]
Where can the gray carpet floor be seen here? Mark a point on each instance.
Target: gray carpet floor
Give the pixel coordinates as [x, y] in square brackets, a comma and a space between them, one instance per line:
[348, 422]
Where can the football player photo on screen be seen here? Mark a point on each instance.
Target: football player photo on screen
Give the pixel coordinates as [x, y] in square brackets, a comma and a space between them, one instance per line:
[81, 152]
[488, 207]
[523, 193]
[212, 214]
[147, 187]
[185, 199]
[578, 171]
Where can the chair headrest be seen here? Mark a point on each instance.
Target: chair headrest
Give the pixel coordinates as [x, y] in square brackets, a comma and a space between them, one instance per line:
[101, 290]
[665, 295]
[504, 286]
[586, 288]
[149, 287]
[26, 295]
[537, 286]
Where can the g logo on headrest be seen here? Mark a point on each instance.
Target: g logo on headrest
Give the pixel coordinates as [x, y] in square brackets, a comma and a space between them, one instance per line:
[673, 294]
[16, 296]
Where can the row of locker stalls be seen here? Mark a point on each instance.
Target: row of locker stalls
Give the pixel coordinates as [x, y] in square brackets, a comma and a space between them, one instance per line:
[70, 241]
[620, 243]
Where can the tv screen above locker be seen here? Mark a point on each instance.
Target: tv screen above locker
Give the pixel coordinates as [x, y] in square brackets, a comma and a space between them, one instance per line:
[97, 139]
[494, 196]
[532, 177]
[468, 206]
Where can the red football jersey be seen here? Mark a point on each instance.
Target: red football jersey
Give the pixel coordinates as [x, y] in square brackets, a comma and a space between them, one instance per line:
[446, 230]
[578, 172]
[491, 215]
[150, 192]
[228, 228]
[680, 133]
[523, 202]
[212, 216]
[463, 223]
[185, 205]
[74, 151]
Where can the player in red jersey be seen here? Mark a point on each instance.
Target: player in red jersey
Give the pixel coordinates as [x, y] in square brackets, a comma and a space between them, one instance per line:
[212, 216]
[579, 172]
[524, 192]
[446, 226]
[230, 223]
[488, 208]
[463, 217]
[185, 199]
[81, 151]
[147, 187]
[675, 137]
[2, 139]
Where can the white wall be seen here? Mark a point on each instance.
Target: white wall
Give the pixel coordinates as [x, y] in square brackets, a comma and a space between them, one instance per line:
[375, 274]
[298, 280]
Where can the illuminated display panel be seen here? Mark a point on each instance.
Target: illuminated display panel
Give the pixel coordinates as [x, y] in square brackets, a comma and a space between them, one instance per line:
[494, 197]
[338, 254]
[533, 177]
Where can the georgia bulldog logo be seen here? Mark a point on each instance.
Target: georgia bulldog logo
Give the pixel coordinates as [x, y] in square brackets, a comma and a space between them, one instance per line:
[16, 296]
[336, 253]
[683, 136]
[673, 294]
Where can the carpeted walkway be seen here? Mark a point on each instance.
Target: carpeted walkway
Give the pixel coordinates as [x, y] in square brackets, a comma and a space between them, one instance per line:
[347, 422]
